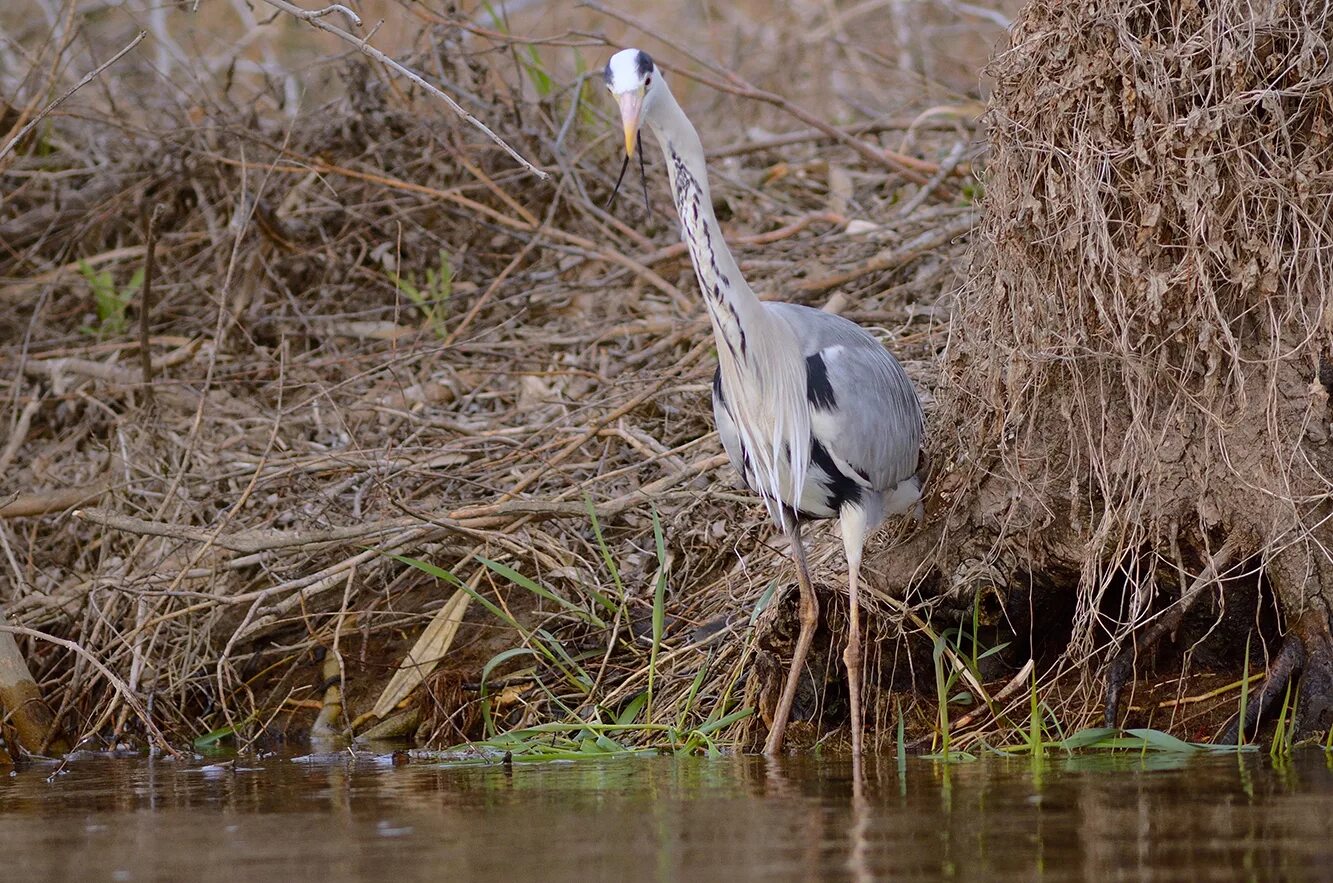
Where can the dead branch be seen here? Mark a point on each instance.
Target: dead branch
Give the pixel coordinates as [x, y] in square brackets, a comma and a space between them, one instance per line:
[88, 78]
[315, 19]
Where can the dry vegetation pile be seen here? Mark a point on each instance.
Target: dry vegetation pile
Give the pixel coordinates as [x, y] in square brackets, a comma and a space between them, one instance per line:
[1145, 338]
[358, 330]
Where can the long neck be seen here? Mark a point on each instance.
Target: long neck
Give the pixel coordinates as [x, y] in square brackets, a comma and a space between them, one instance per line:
[763, 372]
[732, 305]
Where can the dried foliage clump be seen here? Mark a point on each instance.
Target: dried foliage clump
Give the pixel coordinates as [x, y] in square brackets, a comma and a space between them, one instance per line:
[1137, 384]
[368, 334]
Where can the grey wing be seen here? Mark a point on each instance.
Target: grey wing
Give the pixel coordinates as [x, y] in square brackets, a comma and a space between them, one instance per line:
[864, 409]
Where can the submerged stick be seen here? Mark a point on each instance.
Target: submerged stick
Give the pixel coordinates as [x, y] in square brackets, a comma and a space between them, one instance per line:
[28, 717]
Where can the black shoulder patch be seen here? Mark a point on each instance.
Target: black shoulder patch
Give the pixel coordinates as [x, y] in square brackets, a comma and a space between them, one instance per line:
[841, 489]
[606, 74]
[817, 387]
[644, 63]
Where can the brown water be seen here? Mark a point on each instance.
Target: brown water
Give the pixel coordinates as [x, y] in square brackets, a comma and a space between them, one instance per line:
[334, 818]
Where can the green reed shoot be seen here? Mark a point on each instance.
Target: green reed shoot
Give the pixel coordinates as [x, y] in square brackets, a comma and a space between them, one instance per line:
[110, 303]
[1284, 734]
[1244, 695]
[431, 297]
[1035, 727]
[603, 548]
[659, 606]
[688, 705]
[943, 682]
[902, 742]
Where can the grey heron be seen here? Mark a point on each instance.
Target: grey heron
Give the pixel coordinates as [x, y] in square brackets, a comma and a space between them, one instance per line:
[818, 418]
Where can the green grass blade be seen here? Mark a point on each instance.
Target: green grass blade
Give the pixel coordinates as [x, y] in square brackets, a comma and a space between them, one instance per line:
[571, 668]
[688, 705]
[1159, 741]
[659, 606]
[1035, 723]
[725, 721]
[213, 738]
[522, 581]
[487, 723]
[764, 600]
[1089, 738]
[442, 574]
[607, 558]
[942, 683]
[631, 711]
[902, 742]
[1244, 696]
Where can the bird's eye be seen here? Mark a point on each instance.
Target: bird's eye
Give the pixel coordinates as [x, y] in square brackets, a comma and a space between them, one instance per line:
[647, 81]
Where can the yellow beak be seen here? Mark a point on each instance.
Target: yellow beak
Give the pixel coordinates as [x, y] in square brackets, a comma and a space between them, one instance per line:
[631, 105]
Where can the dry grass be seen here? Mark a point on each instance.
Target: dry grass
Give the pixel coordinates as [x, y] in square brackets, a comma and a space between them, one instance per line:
[202, 492]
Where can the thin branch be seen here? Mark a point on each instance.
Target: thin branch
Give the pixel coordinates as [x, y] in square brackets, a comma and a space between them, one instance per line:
[88, 78]
[146, 300]
[946, 169]
[32, 505]
[117, 683]
[915, 170]
[314, 17]
[245, 541]
[887, 260]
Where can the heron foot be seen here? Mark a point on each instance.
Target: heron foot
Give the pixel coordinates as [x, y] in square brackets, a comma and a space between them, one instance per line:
[851, 657]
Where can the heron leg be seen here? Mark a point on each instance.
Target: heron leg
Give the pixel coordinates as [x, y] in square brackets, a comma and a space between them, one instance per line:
[853, 540]
[809, 612]
[851, 657]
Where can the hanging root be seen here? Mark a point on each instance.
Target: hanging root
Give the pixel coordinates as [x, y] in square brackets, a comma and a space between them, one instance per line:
[1122, 666]
[1135, 354]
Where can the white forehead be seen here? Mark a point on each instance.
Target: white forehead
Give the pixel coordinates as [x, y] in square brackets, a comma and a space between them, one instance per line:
[627, 69]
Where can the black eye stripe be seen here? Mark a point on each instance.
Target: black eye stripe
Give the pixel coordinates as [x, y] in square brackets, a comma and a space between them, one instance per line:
[644, 64]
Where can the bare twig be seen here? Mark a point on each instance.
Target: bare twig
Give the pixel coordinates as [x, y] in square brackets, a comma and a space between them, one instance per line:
[913, 169]
[31, 505]
[315, 18]
[124, 691]
[20, 433]
[946, 169]
[247, 541]
[88, 78]
[146, 300]
[787, 139]
[933, 238]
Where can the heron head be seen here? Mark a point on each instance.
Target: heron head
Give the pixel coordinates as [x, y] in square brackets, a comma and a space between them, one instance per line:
[633, 79]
